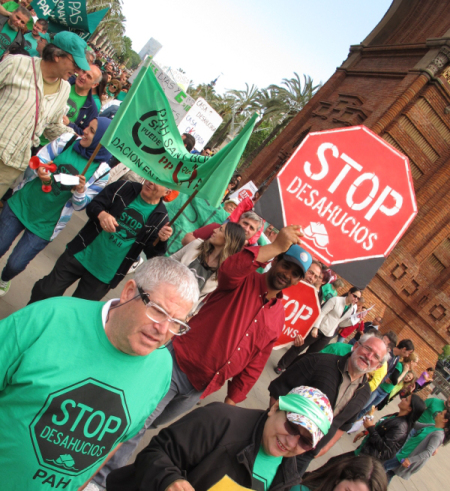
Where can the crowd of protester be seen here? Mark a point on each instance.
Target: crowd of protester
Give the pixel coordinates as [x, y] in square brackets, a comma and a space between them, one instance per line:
[183, 327]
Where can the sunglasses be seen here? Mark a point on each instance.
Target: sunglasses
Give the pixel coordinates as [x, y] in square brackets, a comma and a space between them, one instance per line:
[294, 430]
[356, 296]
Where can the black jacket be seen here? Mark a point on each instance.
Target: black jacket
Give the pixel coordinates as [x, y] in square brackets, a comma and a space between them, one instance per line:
[203, 447]
[386, 438]
[324, 372]
[19, 40]
[114, 199]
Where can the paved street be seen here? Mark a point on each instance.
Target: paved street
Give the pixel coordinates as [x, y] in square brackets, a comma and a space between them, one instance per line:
[434, 477]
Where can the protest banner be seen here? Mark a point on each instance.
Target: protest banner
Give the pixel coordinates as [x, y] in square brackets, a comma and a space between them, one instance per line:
[69, 15]
[246, 191]
[302, 308]
[201, 122]
[143, 135]
[179, 101]
[353, 194]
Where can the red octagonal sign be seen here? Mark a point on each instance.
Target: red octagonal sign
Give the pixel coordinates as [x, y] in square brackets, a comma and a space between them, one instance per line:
[351, 191]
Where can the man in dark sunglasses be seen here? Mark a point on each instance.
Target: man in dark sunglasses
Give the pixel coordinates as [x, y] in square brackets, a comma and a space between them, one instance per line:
[255, 448]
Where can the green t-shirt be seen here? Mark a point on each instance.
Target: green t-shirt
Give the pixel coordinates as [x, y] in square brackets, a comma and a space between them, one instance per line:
[413, 442]
[40, 211]
[264, 470]
[387, 387]
[75, 103]
[434, 405]
[31, 44]
[103, 256]
[67, 395]
[7, 36]
[121, 96]
[11, 7]
[328, 292]
[97, 101]
[340, 349]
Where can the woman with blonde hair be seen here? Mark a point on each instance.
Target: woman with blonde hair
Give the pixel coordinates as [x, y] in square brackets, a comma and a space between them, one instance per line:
[204, 258]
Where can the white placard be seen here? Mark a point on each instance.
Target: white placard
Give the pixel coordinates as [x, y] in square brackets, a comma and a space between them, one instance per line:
[201, 122]
[246, 191]
[67, 179]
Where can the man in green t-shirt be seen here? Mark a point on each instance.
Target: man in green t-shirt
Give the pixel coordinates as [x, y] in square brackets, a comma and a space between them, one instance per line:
[11, 29]
[434, 405]
[10, 7]
[78, 378]
[33, 38]
[126, 218]
[82, 107]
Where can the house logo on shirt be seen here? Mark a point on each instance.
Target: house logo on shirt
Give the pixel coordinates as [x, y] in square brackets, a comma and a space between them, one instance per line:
[57, 187]
[5, 41]
[78, 426]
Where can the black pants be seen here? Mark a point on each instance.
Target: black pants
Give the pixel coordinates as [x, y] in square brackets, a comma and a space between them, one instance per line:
[314, 345]
[66, 271]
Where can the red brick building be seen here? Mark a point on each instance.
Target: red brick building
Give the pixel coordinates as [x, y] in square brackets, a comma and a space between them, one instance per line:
[396, 82]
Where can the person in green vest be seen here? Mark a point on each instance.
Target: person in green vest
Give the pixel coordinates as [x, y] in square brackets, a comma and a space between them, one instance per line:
[32, 38]
[420, 448]
[42, 215]
[8, 8]
[11, 29]
[362, 473]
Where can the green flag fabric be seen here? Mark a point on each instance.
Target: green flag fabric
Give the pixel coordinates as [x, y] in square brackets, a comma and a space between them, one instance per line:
[197, 213]
[143, 135]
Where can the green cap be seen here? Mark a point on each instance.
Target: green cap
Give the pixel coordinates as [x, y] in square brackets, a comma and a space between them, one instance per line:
[72, 43]
[45, 36]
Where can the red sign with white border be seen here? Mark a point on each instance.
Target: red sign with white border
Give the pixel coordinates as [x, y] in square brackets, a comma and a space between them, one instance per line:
[302, 308]
[351, 191]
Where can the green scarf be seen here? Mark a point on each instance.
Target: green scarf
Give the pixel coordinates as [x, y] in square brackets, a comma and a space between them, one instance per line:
[413, 442]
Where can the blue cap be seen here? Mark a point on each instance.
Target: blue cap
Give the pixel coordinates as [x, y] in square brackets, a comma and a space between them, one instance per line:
[45, 36]
[299, 256]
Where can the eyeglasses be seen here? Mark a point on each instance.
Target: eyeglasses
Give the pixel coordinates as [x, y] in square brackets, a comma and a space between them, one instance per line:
[371, 352]
[356, 296]
[157, 314]
[294, 429]
[75, 66]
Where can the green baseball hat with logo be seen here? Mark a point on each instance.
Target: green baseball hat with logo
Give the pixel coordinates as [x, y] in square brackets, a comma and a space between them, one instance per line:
[72, 43]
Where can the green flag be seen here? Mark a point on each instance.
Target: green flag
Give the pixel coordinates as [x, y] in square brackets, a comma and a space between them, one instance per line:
[144, 136]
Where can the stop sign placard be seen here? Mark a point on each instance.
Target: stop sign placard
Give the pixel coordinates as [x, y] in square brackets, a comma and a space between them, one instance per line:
[351, 191]
[302, 308]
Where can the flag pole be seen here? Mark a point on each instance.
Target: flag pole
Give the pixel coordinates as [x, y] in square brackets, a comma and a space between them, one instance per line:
[179, 212]
[97, 149]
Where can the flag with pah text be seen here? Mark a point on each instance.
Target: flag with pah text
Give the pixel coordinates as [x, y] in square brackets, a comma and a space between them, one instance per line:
[143, 135]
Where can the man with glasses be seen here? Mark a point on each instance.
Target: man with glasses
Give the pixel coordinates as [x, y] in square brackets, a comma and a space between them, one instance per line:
[125, 219]
[255, 448]
[342, 378]
[78, 378]
[33, 97]
[232, 336]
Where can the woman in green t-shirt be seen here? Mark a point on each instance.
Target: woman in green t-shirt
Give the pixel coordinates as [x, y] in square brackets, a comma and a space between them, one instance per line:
[42, 215]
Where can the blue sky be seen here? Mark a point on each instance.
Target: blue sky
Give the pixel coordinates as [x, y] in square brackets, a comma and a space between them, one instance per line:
[252, 41]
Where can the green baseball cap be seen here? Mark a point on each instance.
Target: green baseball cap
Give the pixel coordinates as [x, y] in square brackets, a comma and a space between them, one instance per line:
[72, 43]
[45, 36]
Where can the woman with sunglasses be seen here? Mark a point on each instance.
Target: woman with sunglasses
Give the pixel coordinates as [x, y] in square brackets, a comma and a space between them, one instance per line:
[254, 448]
[204, 258]
[334, 311]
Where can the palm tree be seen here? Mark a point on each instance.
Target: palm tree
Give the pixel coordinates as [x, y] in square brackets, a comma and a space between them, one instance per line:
[283, 106]
[242, 103]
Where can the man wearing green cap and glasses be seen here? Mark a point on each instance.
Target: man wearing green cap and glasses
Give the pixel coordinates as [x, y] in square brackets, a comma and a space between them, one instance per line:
[37, 104]
[255, 448]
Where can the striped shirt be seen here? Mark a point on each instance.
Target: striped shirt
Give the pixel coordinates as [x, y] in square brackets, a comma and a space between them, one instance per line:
[18, 110]
[79, 201]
